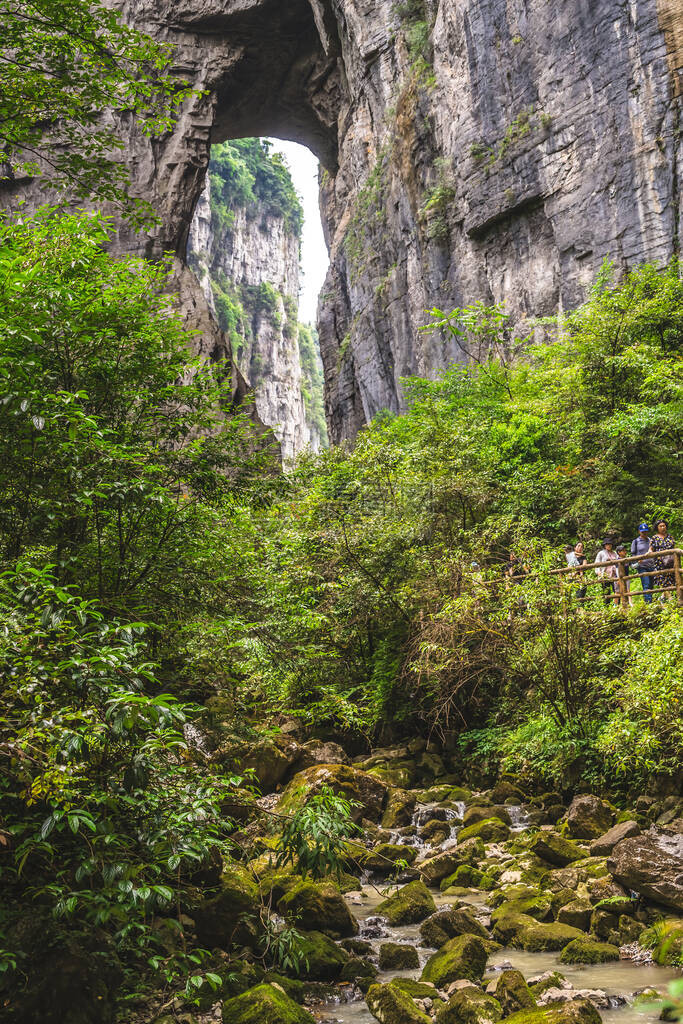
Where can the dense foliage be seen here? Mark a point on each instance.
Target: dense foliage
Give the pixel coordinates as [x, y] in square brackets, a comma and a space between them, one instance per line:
[62, 64]
[244, 173]
[369, 612]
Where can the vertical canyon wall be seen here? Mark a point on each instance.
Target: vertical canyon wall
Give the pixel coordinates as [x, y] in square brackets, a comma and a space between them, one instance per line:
[494, 150]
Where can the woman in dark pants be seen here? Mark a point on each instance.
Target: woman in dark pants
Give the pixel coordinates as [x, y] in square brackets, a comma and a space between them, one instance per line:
[662, 542]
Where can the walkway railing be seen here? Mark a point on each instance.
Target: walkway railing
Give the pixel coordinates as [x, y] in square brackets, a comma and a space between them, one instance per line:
[623, 595]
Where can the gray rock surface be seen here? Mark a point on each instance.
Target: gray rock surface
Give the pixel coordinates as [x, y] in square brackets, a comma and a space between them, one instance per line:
[604, 844]
[257, 248]
[473, 149]
[652, 864]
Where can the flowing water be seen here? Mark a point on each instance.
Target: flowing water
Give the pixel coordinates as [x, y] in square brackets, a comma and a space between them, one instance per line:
[620, 980]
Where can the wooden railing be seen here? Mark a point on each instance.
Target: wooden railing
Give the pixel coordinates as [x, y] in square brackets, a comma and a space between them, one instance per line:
[623, 594]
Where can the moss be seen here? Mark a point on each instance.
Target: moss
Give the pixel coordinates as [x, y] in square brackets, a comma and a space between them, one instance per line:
[513, 993]
[399, 809]
[490, 830]
[231, 916]
[554, 980]
[587, 951]
[470, 1006]
[539, 907]
[391, 1005]
[384, 857]
[411, 904]
[415, 989]
[321, 906]
[322, 959]
[446, 924]
[578, 1011]
[538, 938]
[265, 1004]
[395, 956]
[462, 957]
[556, 849]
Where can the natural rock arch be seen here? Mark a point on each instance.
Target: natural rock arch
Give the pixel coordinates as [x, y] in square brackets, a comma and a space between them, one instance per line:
[474, 149]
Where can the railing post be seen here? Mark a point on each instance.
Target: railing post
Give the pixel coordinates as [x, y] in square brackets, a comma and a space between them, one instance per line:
[623, 591]
[678, 579]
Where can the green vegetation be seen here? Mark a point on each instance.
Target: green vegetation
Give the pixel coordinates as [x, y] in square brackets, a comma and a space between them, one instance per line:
[312, 381]
[244, 173]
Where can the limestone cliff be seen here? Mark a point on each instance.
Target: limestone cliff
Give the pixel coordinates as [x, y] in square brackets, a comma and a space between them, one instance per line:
[244, 248]
[473, 149]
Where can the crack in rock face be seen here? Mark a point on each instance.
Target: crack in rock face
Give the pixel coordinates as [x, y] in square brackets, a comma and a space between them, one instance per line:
[471, 150]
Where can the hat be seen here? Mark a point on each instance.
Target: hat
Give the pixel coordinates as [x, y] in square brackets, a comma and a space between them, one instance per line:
[608, 540]
[643, 528]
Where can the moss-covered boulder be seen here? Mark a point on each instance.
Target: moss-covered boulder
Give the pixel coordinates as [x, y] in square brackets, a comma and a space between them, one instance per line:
[465, 875]
[538, 906]
[321, 958]
[470, 1006]
[490, 830]
[506, 791]
[415, 989]
[462, 957]
[589, 817]
[395, 956]
[321, 907]
[575, 1011]
[587, 951]
[434, 832]
[267, 1004]
[399, 808]
[434, 869]
[577, 913]
[549, 979]
[230, 918]
[367, 791]
[446, 924]
[383, 858]
[513, 993]
[555, 849]
[480, 812]
[542, 938]
[390, 1005]
[507, 928]
[410, 905]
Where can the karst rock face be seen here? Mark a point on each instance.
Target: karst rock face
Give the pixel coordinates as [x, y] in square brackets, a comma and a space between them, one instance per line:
[473, 149]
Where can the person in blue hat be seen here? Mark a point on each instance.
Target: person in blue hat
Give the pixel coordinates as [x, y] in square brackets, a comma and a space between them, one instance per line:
[640, 546]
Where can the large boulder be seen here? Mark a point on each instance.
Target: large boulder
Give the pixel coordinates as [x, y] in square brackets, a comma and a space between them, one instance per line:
[397, 956]
[575, 1011]
[436, 868]
[490, 830]
[399, 808]
[446, 924]
[384, 857]
[390, 1005]
[462, 957]
[513, 993]
[480, 812]
[319, 752]
[321, 958]
[268, 760]
[545, 938]
[321, 907]
[266, 1004]
[367, 792]
[469, 1005]
[604, 844]
[577, 913]
[587, 951]
[554, 849]
[230, 917]
[652, 864]
[589, 817]
[411, 904]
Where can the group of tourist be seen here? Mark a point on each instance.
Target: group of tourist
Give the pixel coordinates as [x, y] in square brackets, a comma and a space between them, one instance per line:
[654, 572]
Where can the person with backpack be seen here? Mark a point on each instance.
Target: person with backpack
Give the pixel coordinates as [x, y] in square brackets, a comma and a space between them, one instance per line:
[662, 542]
[641, 546]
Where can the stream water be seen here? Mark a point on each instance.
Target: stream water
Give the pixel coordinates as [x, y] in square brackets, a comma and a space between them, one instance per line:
[620, 980]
